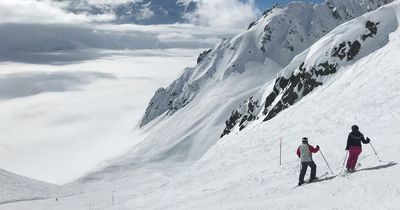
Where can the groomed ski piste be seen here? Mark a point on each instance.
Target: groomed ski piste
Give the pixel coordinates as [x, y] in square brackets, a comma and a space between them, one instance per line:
[242, 170]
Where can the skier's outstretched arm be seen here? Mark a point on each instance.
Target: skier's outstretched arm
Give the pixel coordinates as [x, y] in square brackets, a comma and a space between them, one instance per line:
[314, 150]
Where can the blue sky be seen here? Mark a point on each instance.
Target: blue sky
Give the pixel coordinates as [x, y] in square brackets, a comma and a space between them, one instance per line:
[263, 4]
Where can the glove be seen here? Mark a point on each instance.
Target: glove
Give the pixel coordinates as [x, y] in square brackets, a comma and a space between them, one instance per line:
[368, 140]
[346, 148]
[317, 146]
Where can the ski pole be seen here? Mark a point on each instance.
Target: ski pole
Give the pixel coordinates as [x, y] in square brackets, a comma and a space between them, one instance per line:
[280, 151]
[326, 161]
[375, 152]
[345, 158]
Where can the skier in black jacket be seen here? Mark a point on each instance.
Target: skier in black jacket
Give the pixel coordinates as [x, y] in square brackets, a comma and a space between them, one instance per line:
[354, 147]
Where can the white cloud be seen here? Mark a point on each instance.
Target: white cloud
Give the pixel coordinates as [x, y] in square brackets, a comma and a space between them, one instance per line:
[145, 12]
[225, 14]
[109, 2]
[46, 11]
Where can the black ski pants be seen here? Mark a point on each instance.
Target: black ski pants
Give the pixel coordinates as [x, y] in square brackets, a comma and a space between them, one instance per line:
[303, 170]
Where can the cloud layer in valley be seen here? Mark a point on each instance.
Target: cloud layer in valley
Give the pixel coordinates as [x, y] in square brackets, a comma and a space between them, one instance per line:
[87, 75]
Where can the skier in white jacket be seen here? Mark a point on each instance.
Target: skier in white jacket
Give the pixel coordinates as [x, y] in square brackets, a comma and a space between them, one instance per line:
[304, 151]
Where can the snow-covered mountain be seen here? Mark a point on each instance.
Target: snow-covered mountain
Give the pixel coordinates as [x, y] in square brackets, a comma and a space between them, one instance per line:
[137, 11]
[348, 76]
[230, 80]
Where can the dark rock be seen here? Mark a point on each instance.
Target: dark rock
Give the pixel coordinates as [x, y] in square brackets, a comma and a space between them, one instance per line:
[278, 108]
[203, 55]
[354, 50]
[339, 51]
[241, 118]
[267, 37]
[270, 99]
[252, 24]
[241, 124]
[310, 85]
[231, 122]
[373, 30]
[326, 69]
[282, 82]
[296, 87]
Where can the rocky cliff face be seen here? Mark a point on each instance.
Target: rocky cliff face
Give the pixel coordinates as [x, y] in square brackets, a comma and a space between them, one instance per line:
[310, 75]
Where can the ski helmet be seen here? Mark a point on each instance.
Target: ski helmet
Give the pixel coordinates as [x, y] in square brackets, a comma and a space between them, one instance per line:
[355, 128]
[304, 140]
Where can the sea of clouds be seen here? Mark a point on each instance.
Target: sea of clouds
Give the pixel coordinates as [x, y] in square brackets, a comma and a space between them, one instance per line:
[73, 87]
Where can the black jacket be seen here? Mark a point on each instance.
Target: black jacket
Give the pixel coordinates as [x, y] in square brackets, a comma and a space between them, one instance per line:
[355, 139]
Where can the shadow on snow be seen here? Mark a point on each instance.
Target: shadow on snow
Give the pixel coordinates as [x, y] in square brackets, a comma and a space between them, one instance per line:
[390, 164]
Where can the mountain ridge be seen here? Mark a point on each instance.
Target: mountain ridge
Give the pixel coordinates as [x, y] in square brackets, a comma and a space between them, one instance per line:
[276, 30]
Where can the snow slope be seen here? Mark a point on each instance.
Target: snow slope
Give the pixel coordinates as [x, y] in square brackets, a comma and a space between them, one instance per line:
[231, 73]
[16, 188]
[241, 171]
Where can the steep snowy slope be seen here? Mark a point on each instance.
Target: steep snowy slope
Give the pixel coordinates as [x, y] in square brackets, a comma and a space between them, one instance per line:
[279, 35]
[17, 188]
[310, 69]
[232, 72]
[241, 171]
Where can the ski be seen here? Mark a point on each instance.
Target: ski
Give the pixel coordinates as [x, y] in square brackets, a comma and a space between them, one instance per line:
[346, 173]
[320, 179]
